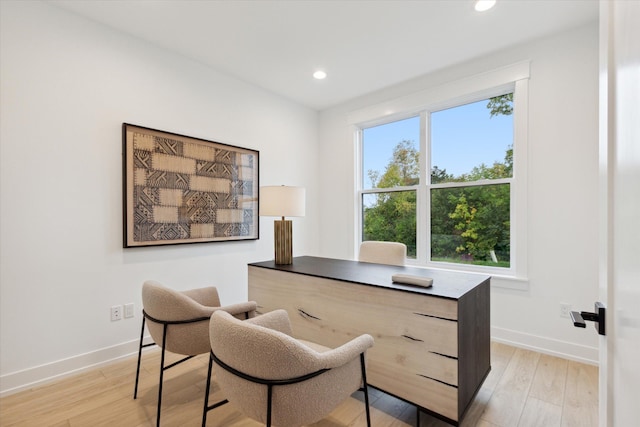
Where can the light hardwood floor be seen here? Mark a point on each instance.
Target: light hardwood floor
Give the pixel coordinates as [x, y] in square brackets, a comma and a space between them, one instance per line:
[524, 389]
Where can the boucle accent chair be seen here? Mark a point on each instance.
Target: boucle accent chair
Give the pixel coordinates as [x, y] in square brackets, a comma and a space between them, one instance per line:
[179, 322]
[277, 379]
[391, 253]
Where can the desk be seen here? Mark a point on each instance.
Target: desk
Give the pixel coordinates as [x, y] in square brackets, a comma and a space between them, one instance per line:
[432, 345]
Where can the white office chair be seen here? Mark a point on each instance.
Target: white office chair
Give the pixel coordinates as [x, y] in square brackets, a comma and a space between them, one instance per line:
[272, 377]
[391, 253]
[179, 322]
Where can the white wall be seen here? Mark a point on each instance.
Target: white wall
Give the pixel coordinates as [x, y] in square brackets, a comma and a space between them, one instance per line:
[563, 182]
[66, 87]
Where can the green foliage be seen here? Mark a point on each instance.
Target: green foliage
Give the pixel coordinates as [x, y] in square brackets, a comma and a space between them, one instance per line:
[473, 221]
[481, 218]
[393, 215]
[404, 168]
[440, 175]
[392, 219]
[501, 105]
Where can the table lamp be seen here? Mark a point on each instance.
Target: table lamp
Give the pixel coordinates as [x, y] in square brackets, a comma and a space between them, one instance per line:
[282, 201]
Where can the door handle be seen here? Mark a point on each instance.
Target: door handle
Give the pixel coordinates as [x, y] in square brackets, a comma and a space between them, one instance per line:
[598, 317]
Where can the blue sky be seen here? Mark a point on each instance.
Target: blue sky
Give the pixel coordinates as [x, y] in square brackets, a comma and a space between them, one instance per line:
[461, 137]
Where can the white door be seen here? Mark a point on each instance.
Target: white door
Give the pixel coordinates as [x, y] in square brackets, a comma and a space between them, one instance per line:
[620, 211]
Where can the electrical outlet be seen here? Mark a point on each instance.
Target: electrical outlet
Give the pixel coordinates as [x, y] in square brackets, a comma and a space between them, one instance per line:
[128, 310]
[565, 309]
[116, 312]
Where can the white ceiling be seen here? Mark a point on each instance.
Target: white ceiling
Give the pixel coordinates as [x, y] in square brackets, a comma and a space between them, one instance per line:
[362, 45]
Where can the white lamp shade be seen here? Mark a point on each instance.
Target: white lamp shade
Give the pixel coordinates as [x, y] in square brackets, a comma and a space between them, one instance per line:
[282, 200]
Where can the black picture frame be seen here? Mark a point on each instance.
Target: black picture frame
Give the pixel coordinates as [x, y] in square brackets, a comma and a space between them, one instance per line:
[180, 189]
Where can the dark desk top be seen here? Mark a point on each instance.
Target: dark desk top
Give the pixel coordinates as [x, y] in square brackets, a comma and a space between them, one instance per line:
[446, 284]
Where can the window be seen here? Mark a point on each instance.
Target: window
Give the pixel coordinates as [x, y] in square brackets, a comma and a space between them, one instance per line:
[392, 174]
[471, 152]
[441, 182]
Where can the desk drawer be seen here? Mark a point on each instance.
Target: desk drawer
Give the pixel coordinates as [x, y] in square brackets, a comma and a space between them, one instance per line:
[425, 392]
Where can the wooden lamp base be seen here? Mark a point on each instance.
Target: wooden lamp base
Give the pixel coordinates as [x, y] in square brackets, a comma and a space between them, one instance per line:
[283, 241]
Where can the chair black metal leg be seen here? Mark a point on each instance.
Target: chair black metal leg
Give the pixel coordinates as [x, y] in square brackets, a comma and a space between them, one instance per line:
[164, 339]
[366, 390]
[135, 391]
[417, 416]
[206, 391]
[269, 399]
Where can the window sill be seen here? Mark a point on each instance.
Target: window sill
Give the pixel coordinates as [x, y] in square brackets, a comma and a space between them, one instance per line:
[510, 282]
[503, 281]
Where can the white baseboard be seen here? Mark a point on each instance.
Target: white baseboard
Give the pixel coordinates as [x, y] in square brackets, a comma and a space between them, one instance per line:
[565, 350]
[28, 378]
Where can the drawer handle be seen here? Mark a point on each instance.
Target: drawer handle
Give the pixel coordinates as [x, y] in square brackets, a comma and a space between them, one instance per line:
[305, 314]
[443, 355]
[435, 317]
[440, 381]
[412, 338]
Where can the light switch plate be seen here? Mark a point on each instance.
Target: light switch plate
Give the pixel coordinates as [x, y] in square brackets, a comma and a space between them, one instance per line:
[128, 310]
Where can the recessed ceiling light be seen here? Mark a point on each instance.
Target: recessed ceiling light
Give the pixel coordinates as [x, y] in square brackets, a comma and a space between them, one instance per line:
[482, 5]
[319, 75]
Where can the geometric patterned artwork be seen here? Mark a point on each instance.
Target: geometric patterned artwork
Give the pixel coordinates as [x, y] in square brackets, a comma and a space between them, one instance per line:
[179, 189]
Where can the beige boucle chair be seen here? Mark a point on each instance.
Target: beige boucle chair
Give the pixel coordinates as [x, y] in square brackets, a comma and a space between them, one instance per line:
[392, 253]
[275, 378]
[179, 322]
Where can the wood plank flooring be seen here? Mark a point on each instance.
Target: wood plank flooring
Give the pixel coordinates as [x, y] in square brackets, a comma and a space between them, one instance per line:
[524, 389]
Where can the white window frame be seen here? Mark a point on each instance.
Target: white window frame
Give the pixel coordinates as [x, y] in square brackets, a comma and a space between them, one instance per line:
[513, 78]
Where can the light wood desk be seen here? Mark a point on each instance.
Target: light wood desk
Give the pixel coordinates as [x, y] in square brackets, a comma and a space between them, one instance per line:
[432, 345]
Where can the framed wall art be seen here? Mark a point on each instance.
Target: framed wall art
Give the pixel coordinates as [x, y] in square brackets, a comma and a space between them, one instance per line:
[180, 189]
